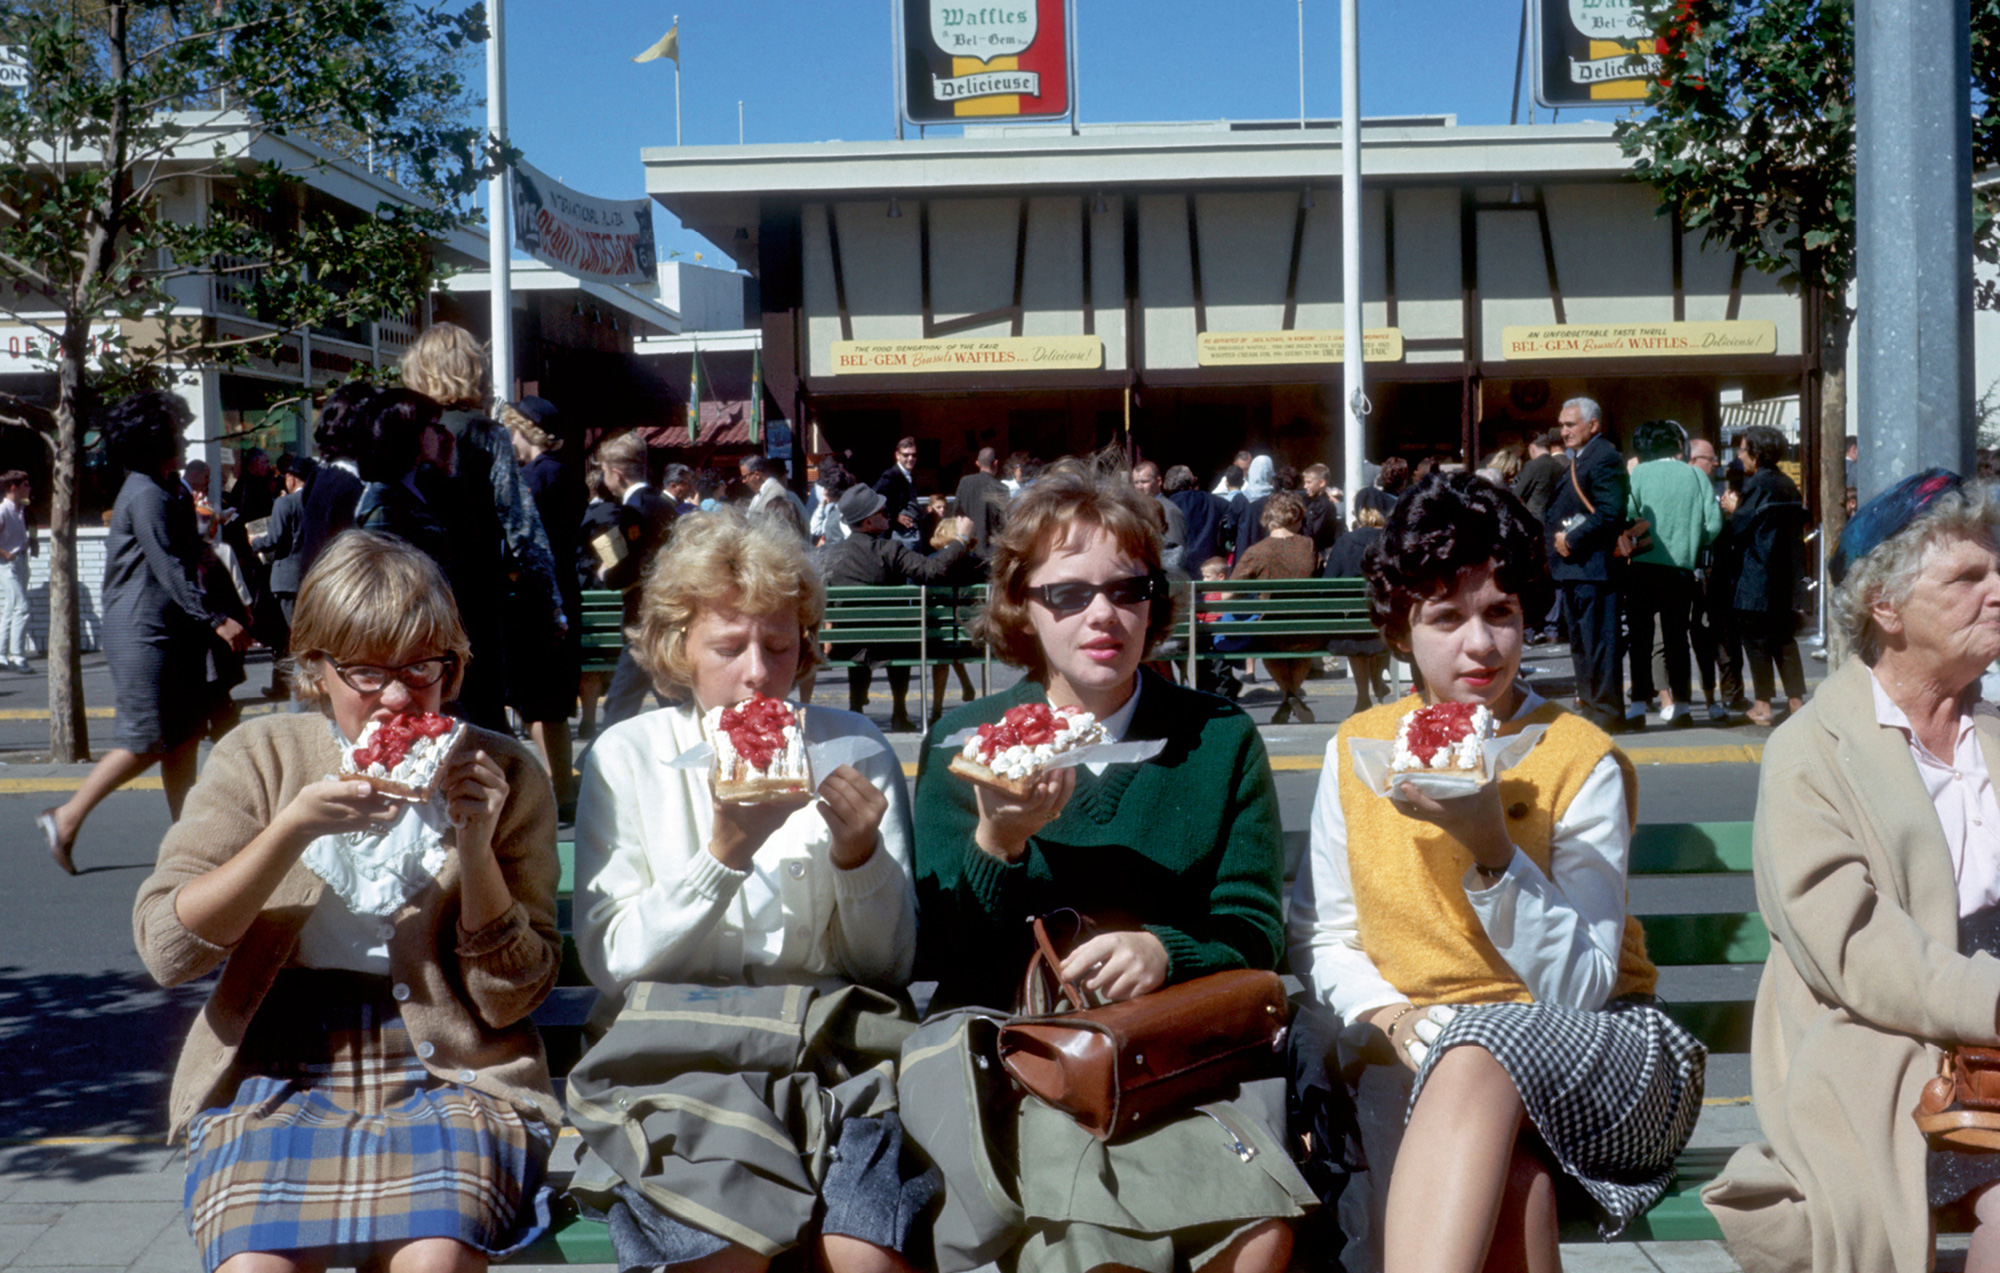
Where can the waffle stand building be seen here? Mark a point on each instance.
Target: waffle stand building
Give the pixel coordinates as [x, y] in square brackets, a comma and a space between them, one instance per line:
[1177, 287]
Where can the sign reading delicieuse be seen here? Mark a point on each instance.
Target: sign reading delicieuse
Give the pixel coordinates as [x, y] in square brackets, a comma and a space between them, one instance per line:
[967, 353]
[1640, 340]
[1244, 349]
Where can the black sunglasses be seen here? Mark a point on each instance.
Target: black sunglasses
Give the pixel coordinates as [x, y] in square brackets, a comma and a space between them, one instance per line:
[1068, 598]
[367, 678]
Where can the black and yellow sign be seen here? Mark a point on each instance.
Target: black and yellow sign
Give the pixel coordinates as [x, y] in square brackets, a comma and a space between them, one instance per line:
[974, 59]
[1593, 52]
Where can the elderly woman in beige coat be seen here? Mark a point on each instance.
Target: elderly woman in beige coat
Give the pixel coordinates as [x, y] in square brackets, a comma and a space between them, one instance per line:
[1878, 872]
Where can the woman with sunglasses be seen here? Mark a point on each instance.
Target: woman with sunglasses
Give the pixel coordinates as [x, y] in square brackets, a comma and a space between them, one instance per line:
[1175, 861]
[364, 1086]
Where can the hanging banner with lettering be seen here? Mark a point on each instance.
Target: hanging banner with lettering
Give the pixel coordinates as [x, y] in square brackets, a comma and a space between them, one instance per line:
[1593, 52]
[967, 353]
[1246, 349]
[966, 61]
[1640, 340]
[601, 240]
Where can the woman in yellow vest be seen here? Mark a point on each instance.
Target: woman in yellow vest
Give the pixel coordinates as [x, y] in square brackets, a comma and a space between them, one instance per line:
[1479, 948]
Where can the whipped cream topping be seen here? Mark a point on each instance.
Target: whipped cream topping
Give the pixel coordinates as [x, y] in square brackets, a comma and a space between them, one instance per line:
[1464, 754]
[1074, 728]
[419, 765]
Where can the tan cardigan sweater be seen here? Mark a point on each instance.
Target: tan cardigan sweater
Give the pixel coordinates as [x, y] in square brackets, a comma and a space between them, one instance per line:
[469, 993]
[1863, 985]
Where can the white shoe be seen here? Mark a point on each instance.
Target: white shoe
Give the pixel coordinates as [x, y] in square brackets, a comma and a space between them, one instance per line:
[1669, 712]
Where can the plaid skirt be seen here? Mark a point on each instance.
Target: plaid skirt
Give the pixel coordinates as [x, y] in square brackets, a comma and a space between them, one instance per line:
[338, 1141]
[1614, 1094]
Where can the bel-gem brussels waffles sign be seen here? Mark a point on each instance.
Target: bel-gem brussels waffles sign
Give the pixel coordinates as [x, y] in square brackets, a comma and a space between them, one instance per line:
[967, 61]
[1593, 52]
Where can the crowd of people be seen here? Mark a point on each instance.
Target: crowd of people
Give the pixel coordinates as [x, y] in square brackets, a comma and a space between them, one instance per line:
[1479, 1045]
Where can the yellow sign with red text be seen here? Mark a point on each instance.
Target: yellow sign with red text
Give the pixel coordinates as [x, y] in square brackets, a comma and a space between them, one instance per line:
[1640, 340]
[966, 354]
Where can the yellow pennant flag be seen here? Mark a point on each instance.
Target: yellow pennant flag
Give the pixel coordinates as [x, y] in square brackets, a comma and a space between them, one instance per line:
[669, 46]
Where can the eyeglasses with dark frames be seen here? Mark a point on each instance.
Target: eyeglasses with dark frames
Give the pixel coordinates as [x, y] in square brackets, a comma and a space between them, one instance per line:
[1069, 598]
[420, 674]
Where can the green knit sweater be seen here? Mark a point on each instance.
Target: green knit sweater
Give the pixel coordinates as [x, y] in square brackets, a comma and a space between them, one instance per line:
[1185, 845]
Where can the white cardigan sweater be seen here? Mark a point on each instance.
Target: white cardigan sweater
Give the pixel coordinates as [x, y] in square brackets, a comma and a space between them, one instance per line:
[653, 904]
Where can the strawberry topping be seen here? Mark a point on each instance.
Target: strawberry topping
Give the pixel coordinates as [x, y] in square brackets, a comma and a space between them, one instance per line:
[1437, 727]
[1029, 725]
[393, 737]
[756, 728]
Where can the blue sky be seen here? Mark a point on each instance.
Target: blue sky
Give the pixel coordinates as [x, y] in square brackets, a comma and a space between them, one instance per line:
[819, 70]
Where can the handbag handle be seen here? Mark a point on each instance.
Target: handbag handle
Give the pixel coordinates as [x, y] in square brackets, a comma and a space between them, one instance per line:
[1047, 950]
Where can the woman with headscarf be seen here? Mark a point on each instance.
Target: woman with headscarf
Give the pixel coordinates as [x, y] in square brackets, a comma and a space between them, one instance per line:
[1877, 853]
[1257, 484]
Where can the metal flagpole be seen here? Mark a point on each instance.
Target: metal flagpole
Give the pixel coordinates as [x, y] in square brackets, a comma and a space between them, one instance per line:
[499, 242]
[1302, 64]
[1353, 398]
[677, 84]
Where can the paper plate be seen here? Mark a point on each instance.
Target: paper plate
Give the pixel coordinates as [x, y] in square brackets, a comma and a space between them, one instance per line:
[1372, 758]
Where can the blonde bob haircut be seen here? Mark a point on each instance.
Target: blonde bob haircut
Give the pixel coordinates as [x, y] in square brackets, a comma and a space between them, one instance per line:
[717, 560]
[447, 364]
[1890, 572]
[1071, 498]
[372, 598]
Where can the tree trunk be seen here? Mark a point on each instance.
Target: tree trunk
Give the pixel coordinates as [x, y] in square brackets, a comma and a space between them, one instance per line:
[69, 734]
[1836, 325]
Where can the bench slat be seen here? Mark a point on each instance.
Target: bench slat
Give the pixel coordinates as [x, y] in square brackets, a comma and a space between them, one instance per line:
[1679, 941]
[1690, 848]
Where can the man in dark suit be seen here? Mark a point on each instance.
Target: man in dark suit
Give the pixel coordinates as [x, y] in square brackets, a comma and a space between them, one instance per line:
[982, 500]
[898, 487]
[1585, 517]
[1545, 470]
[869, 555]
[1322, 522]
[644, 523]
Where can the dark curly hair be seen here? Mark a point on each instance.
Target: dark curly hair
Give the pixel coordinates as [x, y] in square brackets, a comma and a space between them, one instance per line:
[1445, 525]
[395, 420]
[1659, 439]
[141, 432]
[342, 433]
[1765, 444]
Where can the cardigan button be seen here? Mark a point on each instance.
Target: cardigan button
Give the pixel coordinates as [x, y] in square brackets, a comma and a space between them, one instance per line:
[1519, 809]
[399, 992]
[466, 1076]
[797, 869]
[427, 1049]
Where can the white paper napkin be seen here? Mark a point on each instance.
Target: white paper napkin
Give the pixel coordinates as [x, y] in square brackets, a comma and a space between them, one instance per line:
[1372, 758]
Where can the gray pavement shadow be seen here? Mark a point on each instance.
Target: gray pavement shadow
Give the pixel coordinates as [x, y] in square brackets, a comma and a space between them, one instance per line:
[89, 1055]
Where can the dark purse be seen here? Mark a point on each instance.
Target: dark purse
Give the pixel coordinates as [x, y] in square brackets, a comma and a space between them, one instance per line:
[1960, 1108]
[1113, 1067]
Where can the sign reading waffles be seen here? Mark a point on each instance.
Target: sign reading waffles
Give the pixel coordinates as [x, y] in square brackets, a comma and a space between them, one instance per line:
[1007, 60]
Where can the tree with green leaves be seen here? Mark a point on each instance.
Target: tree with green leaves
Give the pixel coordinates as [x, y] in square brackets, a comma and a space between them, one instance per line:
[126, 96]
[1748, 133]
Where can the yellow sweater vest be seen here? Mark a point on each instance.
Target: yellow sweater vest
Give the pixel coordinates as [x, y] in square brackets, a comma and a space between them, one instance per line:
[1416, 924]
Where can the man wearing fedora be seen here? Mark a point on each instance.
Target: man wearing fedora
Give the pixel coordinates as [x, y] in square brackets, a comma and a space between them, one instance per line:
[870, 556]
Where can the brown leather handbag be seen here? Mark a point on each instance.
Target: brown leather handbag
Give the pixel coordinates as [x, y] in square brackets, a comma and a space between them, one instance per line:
[1960, 1108]
[1117, 1066]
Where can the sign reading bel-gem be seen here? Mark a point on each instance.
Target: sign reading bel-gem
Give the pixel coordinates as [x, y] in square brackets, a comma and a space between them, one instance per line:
[966, 353]
[1593, 52]
[1012, 59]
[1640, 340]
[1245, 349]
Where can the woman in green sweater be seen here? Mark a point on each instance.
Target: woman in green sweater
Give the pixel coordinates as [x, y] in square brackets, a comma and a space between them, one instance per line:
[1176, 860]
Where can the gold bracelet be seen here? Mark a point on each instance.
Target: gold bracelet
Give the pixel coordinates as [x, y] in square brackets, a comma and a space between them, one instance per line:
[1390, 1029]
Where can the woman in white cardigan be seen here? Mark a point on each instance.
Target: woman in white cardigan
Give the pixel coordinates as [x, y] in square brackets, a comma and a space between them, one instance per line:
[679, 888]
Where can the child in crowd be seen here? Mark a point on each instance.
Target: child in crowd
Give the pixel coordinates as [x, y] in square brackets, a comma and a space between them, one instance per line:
[1479, 948]
[1216, 675]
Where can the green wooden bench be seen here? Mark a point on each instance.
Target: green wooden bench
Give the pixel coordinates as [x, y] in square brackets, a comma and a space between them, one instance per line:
[1268, 618]
[1674, 940]
[925, 625]
[603, 629]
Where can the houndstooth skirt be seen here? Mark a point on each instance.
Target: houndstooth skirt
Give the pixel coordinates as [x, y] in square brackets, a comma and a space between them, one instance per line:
[339, 1141]
[1614, 1094]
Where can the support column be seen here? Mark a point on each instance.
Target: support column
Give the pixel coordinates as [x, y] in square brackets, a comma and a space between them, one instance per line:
[1913, 242]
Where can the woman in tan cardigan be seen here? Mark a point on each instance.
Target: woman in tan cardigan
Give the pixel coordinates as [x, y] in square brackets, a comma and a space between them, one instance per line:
[364, 1085]
[1878, 872]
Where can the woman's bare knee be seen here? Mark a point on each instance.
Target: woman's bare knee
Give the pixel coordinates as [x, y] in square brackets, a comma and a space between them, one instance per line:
[270, 1262]
[1266, 1248]
[842, 1254]
[436, 1255]
[1469, 1072]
